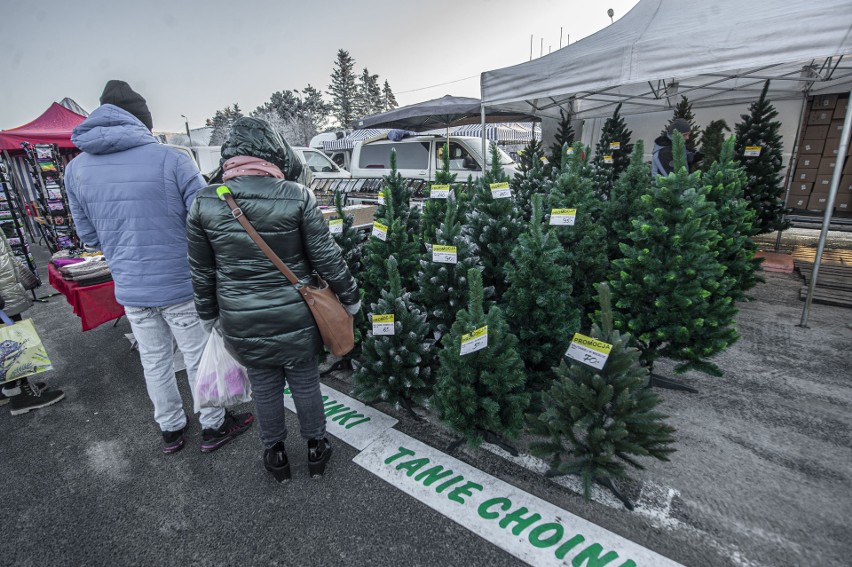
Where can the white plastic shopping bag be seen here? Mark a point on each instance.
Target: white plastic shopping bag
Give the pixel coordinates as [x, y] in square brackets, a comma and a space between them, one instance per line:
[221, 381]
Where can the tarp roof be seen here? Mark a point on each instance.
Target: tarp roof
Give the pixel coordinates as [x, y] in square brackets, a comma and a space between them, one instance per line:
[54, 126]
[714, 52]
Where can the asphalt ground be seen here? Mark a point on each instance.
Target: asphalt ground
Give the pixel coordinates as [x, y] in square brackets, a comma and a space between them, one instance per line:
[762, 475]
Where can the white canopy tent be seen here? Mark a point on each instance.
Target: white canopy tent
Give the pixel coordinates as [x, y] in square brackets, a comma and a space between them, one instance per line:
[718, 52]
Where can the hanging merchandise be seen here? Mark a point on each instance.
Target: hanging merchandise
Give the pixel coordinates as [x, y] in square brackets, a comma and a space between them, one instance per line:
[51, 205]
[11, 223]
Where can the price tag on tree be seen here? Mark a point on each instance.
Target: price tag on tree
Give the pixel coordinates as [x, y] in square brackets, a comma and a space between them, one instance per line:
[615, 145]
[439, 192]
[474, 341]
[444, 254]
[335, 226]
[569, 151]
[500, 190]
[381, 197]
[380, 230]
[544, 160]
[563, 217]
[752, 151]
[607, 159]
[383, 324]
[589, 351]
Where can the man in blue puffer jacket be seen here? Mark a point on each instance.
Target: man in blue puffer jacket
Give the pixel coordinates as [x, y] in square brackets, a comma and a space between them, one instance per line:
[129, 196]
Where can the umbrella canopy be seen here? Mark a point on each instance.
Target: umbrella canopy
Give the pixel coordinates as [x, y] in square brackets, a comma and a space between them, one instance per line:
[439, 113]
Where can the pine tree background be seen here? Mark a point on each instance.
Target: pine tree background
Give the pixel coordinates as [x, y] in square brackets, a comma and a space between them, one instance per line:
[539, 306]
[343, 89]
[597, 422]
[613, 130]
[764, 190]
[434, 210]
[564, 137]
[684, 110]
[620, 210]
[482, 391]
[396, 368]
[711, 143]
[530, 179]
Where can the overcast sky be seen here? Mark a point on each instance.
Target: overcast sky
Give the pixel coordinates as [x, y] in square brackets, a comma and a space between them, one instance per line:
[193, 57]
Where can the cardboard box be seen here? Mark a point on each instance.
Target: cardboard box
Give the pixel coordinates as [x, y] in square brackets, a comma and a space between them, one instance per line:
[845, 184]
[835, 129]
[808, 162]
[847, 169]
[820, 117]
[843, 203]
[797, 201]
[840, 109]
[362, 214]
[801, 188]
[816, 132]
[824, 102]
[822, 183]
[817, 201]
[826, 165]
[812, 147]
[805, 175]
[831, 147]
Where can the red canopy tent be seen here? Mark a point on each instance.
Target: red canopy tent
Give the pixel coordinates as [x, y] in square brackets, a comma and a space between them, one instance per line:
[54, 126]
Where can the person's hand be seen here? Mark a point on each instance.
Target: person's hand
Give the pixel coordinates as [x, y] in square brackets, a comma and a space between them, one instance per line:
[353, 309]
[210, 324]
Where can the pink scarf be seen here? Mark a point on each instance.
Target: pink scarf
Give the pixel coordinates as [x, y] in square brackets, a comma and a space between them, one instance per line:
[248, 165]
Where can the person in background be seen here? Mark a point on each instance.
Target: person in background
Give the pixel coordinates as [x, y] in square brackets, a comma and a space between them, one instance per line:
[129, 197]
[263, 319]
[662, 162]
[21, 395]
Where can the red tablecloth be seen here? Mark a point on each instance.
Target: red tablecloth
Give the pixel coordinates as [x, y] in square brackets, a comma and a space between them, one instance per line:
[93, 304]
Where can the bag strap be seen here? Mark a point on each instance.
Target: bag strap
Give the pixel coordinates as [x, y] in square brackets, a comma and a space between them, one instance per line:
[224, 193]
[5, 318]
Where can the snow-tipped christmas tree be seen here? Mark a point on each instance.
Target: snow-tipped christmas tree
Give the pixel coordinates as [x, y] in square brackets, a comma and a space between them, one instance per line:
[349, 239]
[711, 143]
[493, 223]
[612, 153]
[539, 305]
[435, 206]
[442, 286]
[564, 138]
[727, 181]
[481, 391]
[759, 150]
[668, 287]
[396, 355]
[620, 210]
[599, 421]
[684, 110]
[585, 241]
[400, 193]
[530, 178]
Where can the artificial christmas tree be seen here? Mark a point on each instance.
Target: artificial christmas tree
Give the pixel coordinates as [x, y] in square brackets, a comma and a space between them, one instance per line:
[598, 420]
[564, 138]
[395, 365]
[758, 148]
[539, 305]
[530, 179]
[480, 394]
[684, 110]
[347, 237]
[612, 153]
[711, 143]
[668, 286]
[620, 210]
[435, 206]
[400, 192]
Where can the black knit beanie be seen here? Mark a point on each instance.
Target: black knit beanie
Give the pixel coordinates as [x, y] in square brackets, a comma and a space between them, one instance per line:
[121, 95]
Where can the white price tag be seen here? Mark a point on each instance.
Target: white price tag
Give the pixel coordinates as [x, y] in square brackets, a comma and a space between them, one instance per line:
[500, 190]
[569, 151]
[563, 217]
[444, 254]
[474, 341]
[383, 324]
[589, 351]
[381, 197]
[615, 145]
[439, 192]
[607, 159]
[752, 151]
[335, 226]
[544, 160]
[380, 231]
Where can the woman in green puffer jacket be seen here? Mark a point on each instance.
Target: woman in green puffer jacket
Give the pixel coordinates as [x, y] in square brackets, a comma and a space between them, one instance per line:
[264, 321]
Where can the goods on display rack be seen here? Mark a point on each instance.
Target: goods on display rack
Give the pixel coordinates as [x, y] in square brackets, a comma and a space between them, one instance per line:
[12, 223]
[51, 205]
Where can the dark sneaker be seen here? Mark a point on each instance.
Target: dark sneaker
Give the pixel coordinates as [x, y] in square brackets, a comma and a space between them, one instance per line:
[319, 452]
[32, 397]
[275, 461]
[4, 399]
[234, 424]
[173, 441]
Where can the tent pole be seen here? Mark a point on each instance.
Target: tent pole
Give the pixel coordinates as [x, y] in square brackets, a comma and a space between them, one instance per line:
[484, 144]
[794, 156]
[829, 208]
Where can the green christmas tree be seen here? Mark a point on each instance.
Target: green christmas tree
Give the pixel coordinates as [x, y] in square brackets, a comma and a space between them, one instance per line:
[759, 133]
[538, 302]
[711, 143]
[481, 392]
[493, 225]
[564, 138]
[396, 368]
[612, 153]
[684, 110]
[585, 242]
[529, 180]
[727, 180]
[434, 210]
[597, 422]
[668, 288]
[620, 210]
[442, 287]
[349, 239]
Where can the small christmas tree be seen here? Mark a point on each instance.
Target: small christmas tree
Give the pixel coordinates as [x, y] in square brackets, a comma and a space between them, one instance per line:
[612, 153]
[711, 143]
[759, 134]
[598, 421]
[400, 193]
[668, 285]
[442, 287]
[396, 368]
[727, 181]
[349, 239]
[530, 179]
[434, 210]
[538, 301]
[684, 110]
[620, 210]
[564, 138]
[482, 392]
[493, 225]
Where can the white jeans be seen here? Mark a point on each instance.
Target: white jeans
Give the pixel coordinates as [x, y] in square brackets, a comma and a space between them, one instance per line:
[153, 328]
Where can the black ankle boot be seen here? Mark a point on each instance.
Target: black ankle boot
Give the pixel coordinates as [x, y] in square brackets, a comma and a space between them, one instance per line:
[319, 452]
[275, 461]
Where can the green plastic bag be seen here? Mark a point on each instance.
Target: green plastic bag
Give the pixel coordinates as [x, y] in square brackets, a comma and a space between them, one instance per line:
[21, 350]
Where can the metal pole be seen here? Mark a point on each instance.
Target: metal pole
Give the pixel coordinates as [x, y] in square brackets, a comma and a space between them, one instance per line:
[541, 51]
[531, 44]
[794, 156]
[188, 135]
[560, 37]
[484, 148]
[829, 208]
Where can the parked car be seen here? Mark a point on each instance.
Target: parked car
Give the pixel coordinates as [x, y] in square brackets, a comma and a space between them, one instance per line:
[317, 165]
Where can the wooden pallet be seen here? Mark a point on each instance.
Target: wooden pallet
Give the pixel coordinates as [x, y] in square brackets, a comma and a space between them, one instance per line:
[828, 296]
[834, 282]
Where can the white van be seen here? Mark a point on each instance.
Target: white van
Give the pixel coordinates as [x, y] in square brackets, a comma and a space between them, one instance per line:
[317, 165]
[418, 157]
